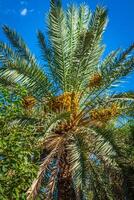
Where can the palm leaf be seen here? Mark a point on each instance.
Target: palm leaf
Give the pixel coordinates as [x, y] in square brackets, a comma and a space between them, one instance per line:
[58, 34]
[19, 44]
[33, 190]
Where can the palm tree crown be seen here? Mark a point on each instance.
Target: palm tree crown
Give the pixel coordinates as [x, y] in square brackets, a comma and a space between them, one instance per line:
[69, 101]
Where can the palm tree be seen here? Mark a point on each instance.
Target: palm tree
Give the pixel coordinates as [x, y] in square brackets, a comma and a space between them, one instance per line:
[68, 99]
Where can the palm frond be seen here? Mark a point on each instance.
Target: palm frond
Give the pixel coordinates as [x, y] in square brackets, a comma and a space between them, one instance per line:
[19, 44]
[53, 120]
[45, 50]
[52, 183]
[120, 66]
[58, 34]
[6, 82]
[86, 155]
[42, 43]
[110, 59]
[128, 95]
[23, 62]
[84, 18]
[33, 78]
[89, 48]
[115, 66]
[51, 186]
[72, 24]
[77, 161]
[6, 53]
[33, 190]
[98, 183]
[47, 56]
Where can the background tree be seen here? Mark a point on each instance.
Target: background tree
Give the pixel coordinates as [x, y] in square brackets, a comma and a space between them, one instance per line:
[18, 152]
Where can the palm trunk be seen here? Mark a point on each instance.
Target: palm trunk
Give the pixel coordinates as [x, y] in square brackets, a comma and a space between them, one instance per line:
[65, 186]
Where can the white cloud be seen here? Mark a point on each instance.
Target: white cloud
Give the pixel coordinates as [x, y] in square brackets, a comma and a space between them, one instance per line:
[24, 12]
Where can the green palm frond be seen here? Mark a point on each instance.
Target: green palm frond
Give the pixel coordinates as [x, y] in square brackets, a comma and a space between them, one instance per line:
[51, 123]
[73, 36]
[19, 71]
[110, 59]
[77, 23]
[6, 82]
[47, 56]
[58, 34]
[103, 149]
[22, 64]
[115, 66]
[77, 160]
[98, 22]
[121, 65]
[125, 102]
[84, 18]
[6, 53]
[99, 183]
[14, 72]
[128, 95]
[86, 145]
[19, 45]
[89, 48]
[45, 49]
[85, 161]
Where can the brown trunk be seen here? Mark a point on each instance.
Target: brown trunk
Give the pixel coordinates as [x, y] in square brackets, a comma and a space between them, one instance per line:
[65, 186]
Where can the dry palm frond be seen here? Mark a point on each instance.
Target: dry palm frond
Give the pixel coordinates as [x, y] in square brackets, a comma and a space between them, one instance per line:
[54, 174]
[33, 190]
[51, 183]
[49, 142]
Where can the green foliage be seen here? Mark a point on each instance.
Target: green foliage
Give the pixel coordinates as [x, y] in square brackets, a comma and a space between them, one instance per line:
[18, 156]
[11, 101]
[124, 140]
[18, 151]
[126, 159]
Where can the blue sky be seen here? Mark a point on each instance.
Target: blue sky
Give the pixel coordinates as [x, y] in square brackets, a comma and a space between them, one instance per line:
[26, 16]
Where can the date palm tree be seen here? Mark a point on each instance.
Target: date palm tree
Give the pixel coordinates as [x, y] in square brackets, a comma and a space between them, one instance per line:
[69, 98]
